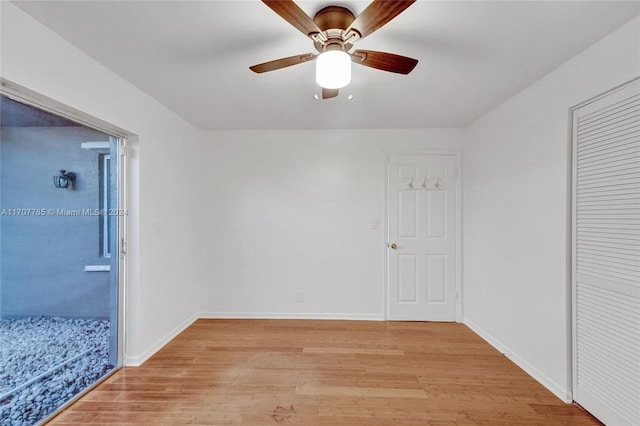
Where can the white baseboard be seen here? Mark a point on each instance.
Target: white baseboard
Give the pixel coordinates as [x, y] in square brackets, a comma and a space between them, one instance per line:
[136, 361]
[558, 390]
[279, 315]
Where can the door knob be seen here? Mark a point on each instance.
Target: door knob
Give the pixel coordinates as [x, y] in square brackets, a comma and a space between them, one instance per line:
[393, 246]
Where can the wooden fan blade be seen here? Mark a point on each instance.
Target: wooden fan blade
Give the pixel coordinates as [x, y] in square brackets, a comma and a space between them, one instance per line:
[329, 93]
[292, 13]
[377, 14]
[384, 61]
[282, 63]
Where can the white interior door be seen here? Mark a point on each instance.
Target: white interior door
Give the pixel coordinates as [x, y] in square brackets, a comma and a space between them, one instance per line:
[606, 261]
[422, 238]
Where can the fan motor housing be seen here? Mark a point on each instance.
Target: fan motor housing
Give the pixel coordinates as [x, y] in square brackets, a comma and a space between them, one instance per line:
[333, 21]
[333, 17]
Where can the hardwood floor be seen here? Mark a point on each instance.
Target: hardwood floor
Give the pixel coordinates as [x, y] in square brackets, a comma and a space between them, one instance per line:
[302, 372]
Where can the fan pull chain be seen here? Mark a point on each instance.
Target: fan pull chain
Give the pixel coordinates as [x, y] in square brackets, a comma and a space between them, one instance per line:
[350, 97]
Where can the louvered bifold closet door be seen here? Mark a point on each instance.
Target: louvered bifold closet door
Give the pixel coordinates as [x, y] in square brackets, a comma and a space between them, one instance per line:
[607, 256]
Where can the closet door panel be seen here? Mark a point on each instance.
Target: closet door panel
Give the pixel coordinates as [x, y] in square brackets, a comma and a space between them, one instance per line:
[606, 287]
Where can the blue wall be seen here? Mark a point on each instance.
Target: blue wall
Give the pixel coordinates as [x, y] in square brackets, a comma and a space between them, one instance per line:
[43, 257]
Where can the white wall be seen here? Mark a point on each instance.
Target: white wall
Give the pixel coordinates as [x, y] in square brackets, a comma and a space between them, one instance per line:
[164, 166]
[515, 229]
[292, 211]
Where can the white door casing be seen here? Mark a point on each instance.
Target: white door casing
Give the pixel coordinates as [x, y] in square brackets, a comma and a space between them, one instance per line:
[422, 237]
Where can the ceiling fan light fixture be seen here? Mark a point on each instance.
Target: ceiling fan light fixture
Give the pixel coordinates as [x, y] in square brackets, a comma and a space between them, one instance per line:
[333, 69]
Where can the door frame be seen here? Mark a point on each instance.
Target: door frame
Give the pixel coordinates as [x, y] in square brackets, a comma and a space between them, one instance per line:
[572, 337]
[457, 154]
[29, 97]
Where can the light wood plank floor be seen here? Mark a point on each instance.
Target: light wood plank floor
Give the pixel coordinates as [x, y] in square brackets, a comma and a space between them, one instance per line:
[301, 372]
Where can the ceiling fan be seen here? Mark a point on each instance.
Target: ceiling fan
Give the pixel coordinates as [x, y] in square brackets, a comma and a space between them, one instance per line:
[334, 30]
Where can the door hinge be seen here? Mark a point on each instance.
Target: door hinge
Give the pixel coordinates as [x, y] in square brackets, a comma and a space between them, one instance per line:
[123, 246]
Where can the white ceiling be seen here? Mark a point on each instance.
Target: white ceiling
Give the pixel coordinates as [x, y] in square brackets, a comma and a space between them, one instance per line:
[194, 57]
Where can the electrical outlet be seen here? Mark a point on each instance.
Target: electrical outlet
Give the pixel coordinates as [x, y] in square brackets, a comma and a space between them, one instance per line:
[299, 297]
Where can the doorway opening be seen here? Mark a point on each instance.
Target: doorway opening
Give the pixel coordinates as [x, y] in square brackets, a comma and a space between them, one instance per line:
[59, 262]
